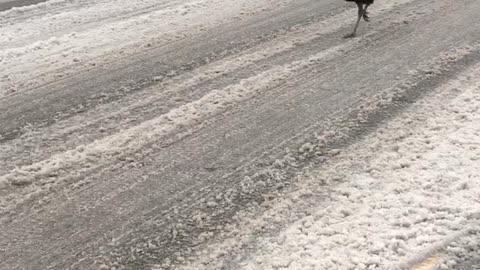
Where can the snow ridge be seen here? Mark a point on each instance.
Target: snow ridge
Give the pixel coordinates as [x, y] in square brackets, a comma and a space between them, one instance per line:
[404, 197]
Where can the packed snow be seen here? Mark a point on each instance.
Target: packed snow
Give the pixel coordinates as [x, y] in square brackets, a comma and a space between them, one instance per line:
[35, 50]
[406, 197]
[130, 139]
[48, 45]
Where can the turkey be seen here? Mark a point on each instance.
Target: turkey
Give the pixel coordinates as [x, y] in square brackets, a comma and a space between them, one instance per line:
[362, 13]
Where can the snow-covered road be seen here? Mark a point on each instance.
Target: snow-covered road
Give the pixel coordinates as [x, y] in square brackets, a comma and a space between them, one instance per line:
[238, 134]
[406, 196]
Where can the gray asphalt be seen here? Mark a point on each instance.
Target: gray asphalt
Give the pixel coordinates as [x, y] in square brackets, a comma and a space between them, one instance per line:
[135, 211]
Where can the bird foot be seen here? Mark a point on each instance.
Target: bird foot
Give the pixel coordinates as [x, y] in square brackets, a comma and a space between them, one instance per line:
[352, 35]
[366, 17]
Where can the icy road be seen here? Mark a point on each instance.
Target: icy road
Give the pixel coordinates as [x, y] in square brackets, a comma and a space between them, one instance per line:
[239, 134]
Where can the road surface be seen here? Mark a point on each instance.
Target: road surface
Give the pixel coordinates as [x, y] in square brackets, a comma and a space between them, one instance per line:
[131, 132]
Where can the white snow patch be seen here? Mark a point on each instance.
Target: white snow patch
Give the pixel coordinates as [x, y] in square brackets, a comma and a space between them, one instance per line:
[422, 185]
[32, 49]
[404, 194]
[192, 115]
[56, 43]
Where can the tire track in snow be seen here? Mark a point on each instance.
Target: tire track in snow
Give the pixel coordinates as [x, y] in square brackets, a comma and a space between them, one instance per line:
[111, 148]
[133, 139]
[24, 26]
[150, 97]
[78, 46]
[365, 175]
[57, 162]
[58, 248]
[140, 248]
